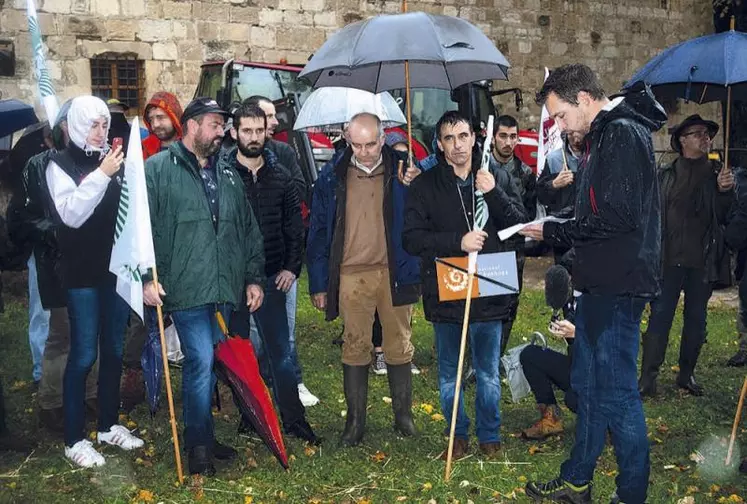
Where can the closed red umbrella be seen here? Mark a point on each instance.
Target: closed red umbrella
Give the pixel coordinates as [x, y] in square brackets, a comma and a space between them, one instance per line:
[236, 364]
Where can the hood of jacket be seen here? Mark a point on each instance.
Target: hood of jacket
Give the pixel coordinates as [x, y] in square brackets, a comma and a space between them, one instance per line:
[84, 110]
[169, 104]
[638, 105]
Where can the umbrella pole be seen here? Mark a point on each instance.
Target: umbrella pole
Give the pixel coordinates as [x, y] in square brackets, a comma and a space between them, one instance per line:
[728, 127]
[737, 418]
[460, 366]
[164, 357]
[409, 112]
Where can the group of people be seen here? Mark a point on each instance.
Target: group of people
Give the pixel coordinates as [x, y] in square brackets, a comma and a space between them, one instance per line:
[229, 239]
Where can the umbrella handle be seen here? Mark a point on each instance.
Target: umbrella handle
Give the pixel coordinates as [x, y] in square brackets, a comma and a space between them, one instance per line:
[222, 323]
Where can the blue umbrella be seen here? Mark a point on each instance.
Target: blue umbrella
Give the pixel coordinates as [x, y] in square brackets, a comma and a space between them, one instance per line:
[15, 115]
[703, 69]
[152, 362]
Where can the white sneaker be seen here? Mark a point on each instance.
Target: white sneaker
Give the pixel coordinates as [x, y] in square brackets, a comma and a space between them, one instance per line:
[378, 365]
[83, 454]
[306, 397]
[414, 369]
[120, 436]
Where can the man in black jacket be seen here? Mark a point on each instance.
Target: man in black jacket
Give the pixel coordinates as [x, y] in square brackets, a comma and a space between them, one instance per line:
[438, 223]
[274, 201]
[696, 196]
[736, 238]
[617, 237]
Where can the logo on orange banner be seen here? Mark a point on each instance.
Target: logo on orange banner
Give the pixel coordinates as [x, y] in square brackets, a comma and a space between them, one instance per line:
[452, 283]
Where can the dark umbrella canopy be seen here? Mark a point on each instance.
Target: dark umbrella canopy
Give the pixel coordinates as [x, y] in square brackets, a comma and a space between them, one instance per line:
[444, 52]
[152, 363]
[699, 69]
[14, 116]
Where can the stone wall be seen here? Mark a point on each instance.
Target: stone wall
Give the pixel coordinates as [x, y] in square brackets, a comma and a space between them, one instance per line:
[174, 37]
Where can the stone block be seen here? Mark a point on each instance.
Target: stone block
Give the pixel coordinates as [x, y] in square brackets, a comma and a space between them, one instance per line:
[218, 50]
[91, 48]
[235, 32]
[207, 30]
[300, 38]
[328, 18]
[47, 23]
[525, 47]
[61, 47]
[248, 15]
[180, 29]
[210, 12]
[298, 18]
[270, 17]
[149, 30]
[292, 5]
[80, 7]
[134, 8]
[12, 21]
[177, 10]
[558, 48]
[165, 51]
[85, 26]
[57, 6]
[189, 50]
[314, 5]
[105, 8]
[120, 29]
[263, 36]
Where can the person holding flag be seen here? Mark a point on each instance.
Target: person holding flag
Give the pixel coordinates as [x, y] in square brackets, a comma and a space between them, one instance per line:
[208, 249]
[85, 182]
[439, 220]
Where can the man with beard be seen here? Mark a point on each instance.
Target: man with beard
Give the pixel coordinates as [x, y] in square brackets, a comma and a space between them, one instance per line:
[161, 117]
[209, 254]
[287, 157]
[274, 200]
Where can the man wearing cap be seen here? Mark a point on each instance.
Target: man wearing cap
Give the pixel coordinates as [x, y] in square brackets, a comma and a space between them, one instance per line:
[209, 252]
[161, 117]
[696, 194]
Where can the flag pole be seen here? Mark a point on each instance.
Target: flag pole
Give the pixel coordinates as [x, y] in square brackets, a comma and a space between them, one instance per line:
[167, 374]
[400, 170]
[737, 418]
[460, 366]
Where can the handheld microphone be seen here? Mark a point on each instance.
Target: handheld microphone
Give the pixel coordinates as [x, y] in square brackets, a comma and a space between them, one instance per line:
[557, 289]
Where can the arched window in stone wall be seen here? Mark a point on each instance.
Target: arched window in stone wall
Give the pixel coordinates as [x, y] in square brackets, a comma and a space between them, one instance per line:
[120, 76]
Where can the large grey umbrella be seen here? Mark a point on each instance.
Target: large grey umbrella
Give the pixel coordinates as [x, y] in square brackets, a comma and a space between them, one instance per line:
[329, 108]
[443, 52]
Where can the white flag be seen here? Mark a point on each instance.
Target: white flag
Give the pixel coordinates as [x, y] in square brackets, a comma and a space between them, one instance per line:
[46, 88]
[549, 136]
[133, 253]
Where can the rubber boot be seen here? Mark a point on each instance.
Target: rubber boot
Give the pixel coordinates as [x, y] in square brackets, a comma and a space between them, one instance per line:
[400, 386]
[355, 383]
[549, 425]
[654, 350]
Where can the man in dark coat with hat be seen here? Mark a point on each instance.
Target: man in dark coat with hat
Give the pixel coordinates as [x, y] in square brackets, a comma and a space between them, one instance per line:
[696, 195]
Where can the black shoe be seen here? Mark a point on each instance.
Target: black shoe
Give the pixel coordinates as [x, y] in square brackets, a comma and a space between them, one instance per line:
[355, 384]
[201, 461]
[223, 452]
[739, 359]
[400, 386]
[559, 490]
[690, 385]
[302, 430]
[743, 466]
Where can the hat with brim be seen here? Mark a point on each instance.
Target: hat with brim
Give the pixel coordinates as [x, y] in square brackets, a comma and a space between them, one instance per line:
[201, 106]
[693, 120]
[113, 102]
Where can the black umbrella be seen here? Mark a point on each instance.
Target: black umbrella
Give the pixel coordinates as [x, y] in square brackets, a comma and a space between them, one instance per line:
[15, 115]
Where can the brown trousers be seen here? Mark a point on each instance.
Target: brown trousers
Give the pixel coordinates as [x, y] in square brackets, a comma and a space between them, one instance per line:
[54, 362]
[361, 295]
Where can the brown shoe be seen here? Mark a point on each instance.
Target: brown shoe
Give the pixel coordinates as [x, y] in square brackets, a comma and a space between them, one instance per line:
[490, 450]
[461, 450]
[549, 425]
[132, 389]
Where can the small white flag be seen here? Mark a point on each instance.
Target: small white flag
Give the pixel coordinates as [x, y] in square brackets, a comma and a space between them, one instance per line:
[549, 136]
[133, 253]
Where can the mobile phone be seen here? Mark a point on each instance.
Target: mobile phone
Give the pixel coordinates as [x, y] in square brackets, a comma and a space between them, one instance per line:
[117, 142]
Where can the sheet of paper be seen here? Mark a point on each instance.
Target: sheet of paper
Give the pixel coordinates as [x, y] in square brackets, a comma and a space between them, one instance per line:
[510, 231]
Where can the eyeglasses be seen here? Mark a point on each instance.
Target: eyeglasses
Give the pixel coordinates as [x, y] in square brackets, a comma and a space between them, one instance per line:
[697, 134]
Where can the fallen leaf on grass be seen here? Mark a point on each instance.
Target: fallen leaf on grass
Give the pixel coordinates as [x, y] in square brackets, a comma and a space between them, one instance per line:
[437, 417]
[692, 489]
[309, 451]
[18, 385]
[402, 498]
[143, 496]
[533, 449]
[248, 499]
[427, 408]
[427, 486]
[663, 428]
[687, 500]
[463, 484]
[379, 456]
[387, 400]
[732, 498]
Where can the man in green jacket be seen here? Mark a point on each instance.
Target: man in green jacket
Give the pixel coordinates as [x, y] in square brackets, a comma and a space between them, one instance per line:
[209, 249]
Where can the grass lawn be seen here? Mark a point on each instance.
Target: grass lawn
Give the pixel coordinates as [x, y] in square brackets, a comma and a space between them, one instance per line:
[385, 469]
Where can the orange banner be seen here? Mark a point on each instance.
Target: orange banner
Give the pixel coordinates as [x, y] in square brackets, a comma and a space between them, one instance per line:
[452, 283]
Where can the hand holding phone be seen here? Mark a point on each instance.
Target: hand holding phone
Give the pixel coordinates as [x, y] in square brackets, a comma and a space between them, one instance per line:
[117, 142]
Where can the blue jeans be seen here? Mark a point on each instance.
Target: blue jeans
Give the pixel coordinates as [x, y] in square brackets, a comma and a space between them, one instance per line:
[603, 374]
[98, 319]
[485, 345]
[38, 321]
[198, 333]
[271, 323]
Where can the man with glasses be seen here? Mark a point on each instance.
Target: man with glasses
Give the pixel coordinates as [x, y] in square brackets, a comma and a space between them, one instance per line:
[696, 194]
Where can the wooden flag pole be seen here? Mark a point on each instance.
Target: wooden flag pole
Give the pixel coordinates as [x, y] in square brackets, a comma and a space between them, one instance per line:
[737, 418]
[728, 127]
[460, 366]
[164, 357]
